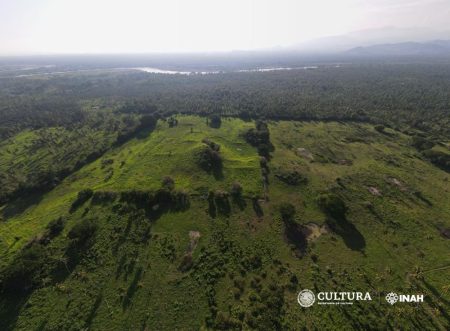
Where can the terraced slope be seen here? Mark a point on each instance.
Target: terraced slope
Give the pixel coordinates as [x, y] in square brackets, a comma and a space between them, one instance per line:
[128, 260]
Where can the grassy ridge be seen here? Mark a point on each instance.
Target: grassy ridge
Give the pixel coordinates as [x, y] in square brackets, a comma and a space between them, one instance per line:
[141, 164]
[244, 273]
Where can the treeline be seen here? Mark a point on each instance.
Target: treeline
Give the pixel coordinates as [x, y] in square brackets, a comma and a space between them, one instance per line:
[54, 154]
[398, 95]
[18, 113]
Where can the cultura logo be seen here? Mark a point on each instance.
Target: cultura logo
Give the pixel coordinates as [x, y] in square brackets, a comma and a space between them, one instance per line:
[394, 297]
[306, 298]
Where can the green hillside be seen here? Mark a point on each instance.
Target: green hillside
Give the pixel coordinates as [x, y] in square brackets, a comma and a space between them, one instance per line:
[163, 240]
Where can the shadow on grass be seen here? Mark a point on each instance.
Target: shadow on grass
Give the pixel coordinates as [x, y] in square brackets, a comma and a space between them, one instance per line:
[353, 239]
[140, 133]
[296, 237]
[132, 288]
[10, 307]
[257, 207]
[437, 294]
[93, 312]
[212, 210]
[240, 202]
[223, 206]
[217, 172]
[219, 205]
[18, 206]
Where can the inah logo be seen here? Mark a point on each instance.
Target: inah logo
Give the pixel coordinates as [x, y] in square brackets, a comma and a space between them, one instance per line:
[392, 298]
[306, 298]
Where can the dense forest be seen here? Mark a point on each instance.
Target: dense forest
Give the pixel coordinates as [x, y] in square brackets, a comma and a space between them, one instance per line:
[403, 96]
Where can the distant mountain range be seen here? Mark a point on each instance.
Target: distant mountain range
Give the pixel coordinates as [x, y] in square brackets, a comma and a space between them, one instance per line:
[431, 48]
[388, 39]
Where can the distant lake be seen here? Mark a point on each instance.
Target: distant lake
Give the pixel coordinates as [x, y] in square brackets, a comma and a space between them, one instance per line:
[174, 72]
[154, 70]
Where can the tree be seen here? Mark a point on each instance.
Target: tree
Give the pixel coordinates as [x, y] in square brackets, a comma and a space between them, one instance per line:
[236, 190]
[379, 128]
[421, 143]
[168, 183]
[23, 273]
[55, 227]
[82, 232]
[287, 211]
[82, 197]
[209, 159]
[332, 204]
[215, 121]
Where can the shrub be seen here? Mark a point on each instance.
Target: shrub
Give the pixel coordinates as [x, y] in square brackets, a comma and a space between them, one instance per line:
[287, 211]
[421, 143]
[236, 190]
[168, 183]
[186, 263]
[209, 159]
[439, 159]
[100, 197]
[55, 227]
[163, 197]
[82, 197]
[106, 162]
[263, 163]
[180, 200]
[291, 177]
[379, 128]
[172, 122]
[147, 121]
[215, 121]
[82, 232]
[211, 144]
[221, 202]
[140, 198]
[332, 204]
[251, 262]
[260, 138]
[224, 321]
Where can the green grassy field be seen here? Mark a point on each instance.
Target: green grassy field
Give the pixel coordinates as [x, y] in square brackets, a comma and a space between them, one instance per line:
[244, 274]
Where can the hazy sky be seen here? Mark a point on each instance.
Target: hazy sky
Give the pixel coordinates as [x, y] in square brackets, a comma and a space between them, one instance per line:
[98, 26]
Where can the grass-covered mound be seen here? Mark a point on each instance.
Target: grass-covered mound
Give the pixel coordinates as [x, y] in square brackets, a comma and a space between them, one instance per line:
[146, 238]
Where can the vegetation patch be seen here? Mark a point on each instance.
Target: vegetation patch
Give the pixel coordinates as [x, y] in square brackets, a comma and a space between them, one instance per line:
[291, 177]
